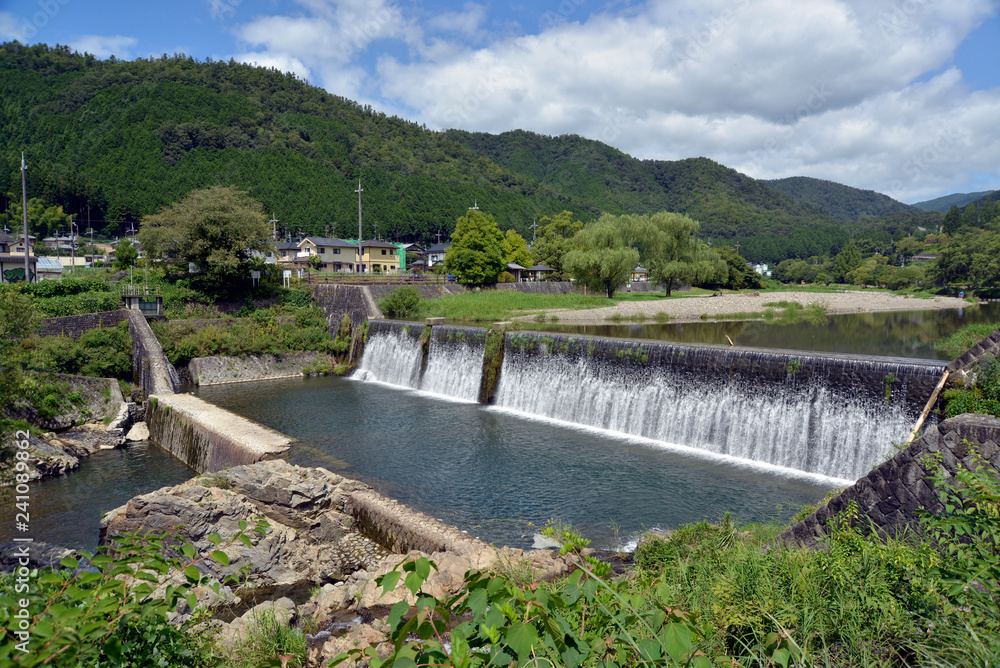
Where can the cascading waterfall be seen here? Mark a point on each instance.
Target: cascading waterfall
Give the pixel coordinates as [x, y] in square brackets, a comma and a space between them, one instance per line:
[454, 364]
[819, 414]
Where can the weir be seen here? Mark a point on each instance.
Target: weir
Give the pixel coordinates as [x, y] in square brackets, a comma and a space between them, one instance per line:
[816, 413]
[451, 367]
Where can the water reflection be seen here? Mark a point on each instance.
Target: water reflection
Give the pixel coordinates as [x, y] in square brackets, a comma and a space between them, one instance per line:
[890, 334]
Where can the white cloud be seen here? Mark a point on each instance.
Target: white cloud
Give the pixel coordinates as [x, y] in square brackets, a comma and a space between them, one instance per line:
[277, 61]
[835, 89]
[104, 46]
[466, 22]
[222, 8]
[824, 88]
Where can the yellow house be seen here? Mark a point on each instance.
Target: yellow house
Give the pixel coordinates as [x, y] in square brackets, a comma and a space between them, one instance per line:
[336, 254]
[380, 257]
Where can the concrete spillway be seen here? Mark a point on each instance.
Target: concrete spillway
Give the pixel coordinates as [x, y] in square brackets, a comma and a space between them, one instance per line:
[819, 414]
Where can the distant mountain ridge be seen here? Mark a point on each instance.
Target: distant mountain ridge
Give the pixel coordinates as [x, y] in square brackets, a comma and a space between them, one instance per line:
[112, 141]
[942, 204]
[843, 203]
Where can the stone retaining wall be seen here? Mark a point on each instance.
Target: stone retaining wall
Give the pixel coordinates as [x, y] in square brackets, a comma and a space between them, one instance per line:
[967, 362]
[892, 493]
[541, 288]
[75, 325]
[399, 528]
[356, 301]
[221, 369]
[206, 437]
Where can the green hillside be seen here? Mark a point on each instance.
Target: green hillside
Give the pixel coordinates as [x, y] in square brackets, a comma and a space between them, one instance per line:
[942, 204]
[119, 140]
[844, 203]
[730, 206]
[112, 141]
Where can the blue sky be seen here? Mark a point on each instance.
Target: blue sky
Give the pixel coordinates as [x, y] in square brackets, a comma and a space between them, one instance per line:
[897, 96]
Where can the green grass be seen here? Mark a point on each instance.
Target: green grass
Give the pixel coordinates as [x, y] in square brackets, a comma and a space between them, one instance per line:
[968, 336]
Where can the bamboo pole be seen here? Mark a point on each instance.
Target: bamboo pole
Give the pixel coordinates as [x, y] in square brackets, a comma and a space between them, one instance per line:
[929, 406]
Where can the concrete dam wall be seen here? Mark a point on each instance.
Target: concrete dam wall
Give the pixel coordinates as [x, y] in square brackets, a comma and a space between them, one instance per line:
[814, 413]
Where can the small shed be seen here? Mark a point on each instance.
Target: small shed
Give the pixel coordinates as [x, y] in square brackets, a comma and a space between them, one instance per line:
[515, 269]
[48, 268]
[539, 272]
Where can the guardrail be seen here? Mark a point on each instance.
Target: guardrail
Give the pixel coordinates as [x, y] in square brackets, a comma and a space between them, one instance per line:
[133, 290]
[379, 279]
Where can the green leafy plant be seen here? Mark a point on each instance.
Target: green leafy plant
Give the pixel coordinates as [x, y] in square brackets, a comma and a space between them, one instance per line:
[402, 302]
[110, 608]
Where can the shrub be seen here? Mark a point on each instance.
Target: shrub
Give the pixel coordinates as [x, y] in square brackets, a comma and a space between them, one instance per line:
[401, 302]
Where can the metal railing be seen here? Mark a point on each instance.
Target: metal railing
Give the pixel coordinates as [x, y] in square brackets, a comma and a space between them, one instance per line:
[333, 278]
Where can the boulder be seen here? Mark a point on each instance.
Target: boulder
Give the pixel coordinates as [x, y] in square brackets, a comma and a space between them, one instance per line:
[138, 432]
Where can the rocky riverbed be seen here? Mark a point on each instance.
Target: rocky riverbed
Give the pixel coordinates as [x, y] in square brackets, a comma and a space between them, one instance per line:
[691, 309]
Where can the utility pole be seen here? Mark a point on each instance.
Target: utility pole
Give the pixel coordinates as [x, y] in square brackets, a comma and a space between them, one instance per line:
[72, 247]
[439, 235]
[274, 227]
[24, 208]
[359, 191]
[534, 232]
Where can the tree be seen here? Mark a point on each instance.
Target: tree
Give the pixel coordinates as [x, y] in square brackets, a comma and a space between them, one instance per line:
[601, 258]
[952, 220]
[516, 249]
[741, 274]
[476, 255]
[846, 261]
[554, 240]
[43, 219]
[125, 256]
[217, 229]
[673, 254]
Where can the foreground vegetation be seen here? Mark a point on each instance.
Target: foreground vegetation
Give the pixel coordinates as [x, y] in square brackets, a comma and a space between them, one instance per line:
[705, 595]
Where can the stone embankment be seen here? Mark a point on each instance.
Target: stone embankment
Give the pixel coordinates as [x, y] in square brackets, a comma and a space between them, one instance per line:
[220, 369]
[206, 437]
[329, 538]
[892, 493]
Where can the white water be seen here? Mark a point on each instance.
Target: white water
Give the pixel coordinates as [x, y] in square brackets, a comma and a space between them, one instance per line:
[820, 426]
[453, 370]
[812, 427]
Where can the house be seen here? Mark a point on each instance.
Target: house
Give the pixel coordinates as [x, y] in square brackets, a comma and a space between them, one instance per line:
[12, 268]
[335, 254]
[17, 247]
[639, 274]
[381, 257]
[287, 251]
[539, 272]
[62, 243]
[515, 270]
[435, 254]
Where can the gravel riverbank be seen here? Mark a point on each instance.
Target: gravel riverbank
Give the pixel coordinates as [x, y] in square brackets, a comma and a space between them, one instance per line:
[689, 309]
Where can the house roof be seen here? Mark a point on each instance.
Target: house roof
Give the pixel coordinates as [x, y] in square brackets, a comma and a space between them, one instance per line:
[515, 265]
[377, 244]
[5, 238]
[540, 267]
[287, 245]
[48, 264]
[439, 248]
[8, 257]
[328, 242]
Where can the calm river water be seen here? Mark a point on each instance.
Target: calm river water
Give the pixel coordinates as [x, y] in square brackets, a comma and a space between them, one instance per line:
[491, 473]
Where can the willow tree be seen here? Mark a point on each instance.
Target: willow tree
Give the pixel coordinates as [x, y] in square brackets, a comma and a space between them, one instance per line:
[217, 230]
[601, 257]
[673, 254]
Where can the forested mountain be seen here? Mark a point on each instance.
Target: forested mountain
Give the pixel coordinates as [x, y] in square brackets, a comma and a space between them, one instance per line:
[112, 141]
[942, 204]
[118, 140]
[844, 203]
[730, 206]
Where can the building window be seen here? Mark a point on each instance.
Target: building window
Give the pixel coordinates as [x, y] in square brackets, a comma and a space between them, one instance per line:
[336, 251]
[383, 251]
[322, 250]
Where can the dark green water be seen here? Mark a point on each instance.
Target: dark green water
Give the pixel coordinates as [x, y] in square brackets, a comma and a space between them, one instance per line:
[890, 334]
[492, 473]
[67, 510]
